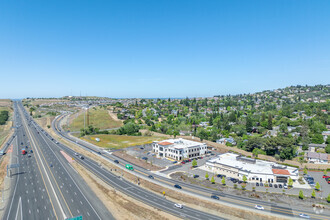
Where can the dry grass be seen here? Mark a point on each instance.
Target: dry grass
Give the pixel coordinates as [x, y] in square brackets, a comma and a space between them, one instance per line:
[135, 161]
[120, 141]
[99, 118]
[120, 205]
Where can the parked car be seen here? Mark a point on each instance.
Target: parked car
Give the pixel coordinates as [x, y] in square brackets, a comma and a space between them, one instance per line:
[259, 207]
[325, 176]
[257, 184]
[280, 186]
[275, 185]
[240, 182]
[177, 186]
[144, 158]
[175, 162]
[302, 215]
[141, 148]
[31, 151]
[151, 177]
[261, 184]
[196, 176]
[180, 206]
[270, 185]
[183, 162]
[215, 197]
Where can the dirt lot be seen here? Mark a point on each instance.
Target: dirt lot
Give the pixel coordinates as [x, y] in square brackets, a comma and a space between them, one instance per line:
[199, 204]
[138, 162]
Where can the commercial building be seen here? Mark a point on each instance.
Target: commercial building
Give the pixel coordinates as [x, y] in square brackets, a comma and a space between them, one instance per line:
[236, 166]
[179, 149]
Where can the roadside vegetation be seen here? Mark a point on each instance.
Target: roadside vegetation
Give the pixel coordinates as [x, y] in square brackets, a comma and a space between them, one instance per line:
[120, 141]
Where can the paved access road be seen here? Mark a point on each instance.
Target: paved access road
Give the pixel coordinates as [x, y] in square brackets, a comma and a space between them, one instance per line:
[270, 207]
[45, 186]
[137, 192]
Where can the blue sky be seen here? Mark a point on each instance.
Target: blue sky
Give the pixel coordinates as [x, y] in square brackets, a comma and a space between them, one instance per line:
[170, 48]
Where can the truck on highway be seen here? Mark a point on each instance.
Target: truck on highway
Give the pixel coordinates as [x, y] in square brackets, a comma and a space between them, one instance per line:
[24, 151]
[129, 167]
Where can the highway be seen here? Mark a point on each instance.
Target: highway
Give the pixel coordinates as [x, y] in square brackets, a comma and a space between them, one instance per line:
[270, 207]
[45, 186]
[137, 192]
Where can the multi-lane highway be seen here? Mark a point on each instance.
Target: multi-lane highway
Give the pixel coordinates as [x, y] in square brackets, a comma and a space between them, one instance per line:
[270, 207]
[45, 186]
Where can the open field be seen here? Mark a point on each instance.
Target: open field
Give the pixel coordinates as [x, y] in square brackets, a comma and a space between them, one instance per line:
[120, 141]
[99, 118]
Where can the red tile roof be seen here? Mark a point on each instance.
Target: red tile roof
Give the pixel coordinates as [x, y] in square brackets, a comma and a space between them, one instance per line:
[165, 143]
[281, 172]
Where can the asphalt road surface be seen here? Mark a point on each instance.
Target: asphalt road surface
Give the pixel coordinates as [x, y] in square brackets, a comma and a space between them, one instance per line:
[45, 186]
[271, 207]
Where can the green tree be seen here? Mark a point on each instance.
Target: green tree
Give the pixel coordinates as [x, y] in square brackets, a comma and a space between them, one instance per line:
[313, 194]
[290, 183]
[317, 139]
[305, 170]
[325, 172]
[317, 186]
[328, 198]
[244, 179]
[202, 134]
[223, 181]
[301, 194]
[270, 122]
[194, 163]
[248, 124]
[207, 175]
[212, 180]
[327, 148]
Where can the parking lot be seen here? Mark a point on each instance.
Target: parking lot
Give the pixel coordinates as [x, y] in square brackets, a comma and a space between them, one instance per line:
[145, 152]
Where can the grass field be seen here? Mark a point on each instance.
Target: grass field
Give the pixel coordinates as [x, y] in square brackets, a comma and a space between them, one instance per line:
[120, 141]
[99, 118]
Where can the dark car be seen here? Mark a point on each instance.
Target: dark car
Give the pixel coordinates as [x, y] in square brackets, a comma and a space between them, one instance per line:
[141, 148]
[196, 176]
[215, 197]
[240, 181]
[177, 186]
[175, 162]
[270, 185]
[99, 152]
[31, 151]
[275, 185]
[144, 158]
[81, 157]
[280, 186]
[257, 184]
[116, 161]
[151, 177]
[261, 184]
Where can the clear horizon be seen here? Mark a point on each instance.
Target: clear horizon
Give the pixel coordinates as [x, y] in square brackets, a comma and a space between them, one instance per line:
[161, 49]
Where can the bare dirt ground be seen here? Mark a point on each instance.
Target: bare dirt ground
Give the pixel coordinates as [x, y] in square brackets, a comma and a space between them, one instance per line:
[113, 116]
[120, 205]
[133, 160]
[199, 204]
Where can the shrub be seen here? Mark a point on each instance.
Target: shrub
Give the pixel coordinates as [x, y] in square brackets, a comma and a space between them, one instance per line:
[301, 194]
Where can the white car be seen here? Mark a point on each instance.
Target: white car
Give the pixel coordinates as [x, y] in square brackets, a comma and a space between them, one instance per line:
[259, 207]
[177, 205]
[302, 215]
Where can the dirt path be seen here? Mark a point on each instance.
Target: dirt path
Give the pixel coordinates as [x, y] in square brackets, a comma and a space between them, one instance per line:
[113, 116]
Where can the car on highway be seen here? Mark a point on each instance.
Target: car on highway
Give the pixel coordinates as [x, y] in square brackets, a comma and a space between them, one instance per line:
[150, 177]
[177, 205]
[29, 155]
[177, 186]
[81, 157]
[215, 197]
[116, 161]
[259, 207]
[31, 151]
[51, 165]
[76, 154]
[302, 215]
[129, 167]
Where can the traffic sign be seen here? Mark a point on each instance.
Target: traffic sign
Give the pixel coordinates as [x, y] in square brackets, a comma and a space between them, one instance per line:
[76, 218]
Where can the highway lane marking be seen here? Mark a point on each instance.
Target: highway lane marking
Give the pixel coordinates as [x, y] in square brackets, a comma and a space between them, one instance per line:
[281, 210]
[45, 183]
[53, 176]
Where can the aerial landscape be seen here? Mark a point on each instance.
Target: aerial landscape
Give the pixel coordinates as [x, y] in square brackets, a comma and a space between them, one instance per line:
[165, 110]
